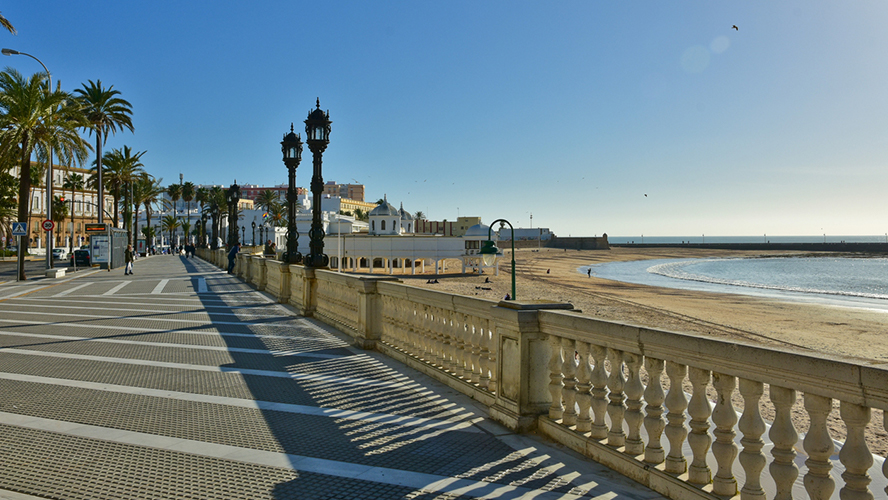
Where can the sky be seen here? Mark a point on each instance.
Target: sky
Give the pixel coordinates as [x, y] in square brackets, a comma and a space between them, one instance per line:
[627, 118]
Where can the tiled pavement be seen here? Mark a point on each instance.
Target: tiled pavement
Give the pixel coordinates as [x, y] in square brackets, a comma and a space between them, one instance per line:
[180, 381]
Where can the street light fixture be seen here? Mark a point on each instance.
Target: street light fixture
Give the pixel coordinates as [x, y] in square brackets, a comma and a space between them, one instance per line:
[253, 238]
[317, 135]
[489, 252]
[233, 198]
[203, 229]
[49, 235]
[291, 147]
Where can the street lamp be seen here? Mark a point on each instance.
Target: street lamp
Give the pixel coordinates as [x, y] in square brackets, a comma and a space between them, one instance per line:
[233, 198]
[203, 229]
[243, 234]
[489, 251]
[253, 238]
[291, 147]
[317, 135]
[49, 235]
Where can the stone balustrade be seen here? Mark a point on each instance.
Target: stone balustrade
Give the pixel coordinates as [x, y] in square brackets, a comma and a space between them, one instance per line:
[679, 413]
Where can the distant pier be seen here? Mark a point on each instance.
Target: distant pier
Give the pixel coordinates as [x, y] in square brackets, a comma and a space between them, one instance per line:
[842, 247]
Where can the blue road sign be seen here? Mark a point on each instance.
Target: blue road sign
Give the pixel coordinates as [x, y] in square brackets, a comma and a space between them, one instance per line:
[19, 228]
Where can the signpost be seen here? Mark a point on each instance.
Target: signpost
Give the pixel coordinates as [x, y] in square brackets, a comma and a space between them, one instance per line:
[20, 229]
[47, 225]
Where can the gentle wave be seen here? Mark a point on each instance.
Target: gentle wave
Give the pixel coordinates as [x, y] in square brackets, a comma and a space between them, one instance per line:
[678, 270]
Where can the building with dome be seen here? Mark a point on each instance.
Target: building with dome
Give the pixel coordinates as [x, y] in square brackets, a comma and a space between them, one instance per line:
[386, 220]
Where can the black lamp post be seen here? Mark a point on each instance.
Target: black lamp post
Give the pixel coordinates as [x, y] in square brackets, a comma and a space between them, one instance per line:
[253, 238]
[291, 146]
[262, 234]
[233, 198]
[317, 135]
[243, 234]
[203, 229]
[489, 252]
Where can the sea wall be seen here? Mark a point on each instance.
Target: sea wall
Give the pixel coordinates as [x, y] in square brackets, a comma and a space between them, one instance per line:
[801, 247]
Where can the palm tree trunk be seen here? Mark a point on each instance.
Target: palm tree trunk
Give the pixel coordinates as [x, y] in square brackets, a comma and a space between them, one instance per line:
[24, 204]
[99, 183]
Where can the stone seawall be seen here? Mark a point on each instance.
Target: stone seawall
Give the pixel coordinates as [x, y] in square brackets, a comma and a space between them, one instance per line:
[802, 247]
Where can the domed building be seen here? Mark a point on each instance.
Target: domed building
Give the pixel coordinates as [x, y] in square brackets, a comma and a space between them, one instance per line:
[386, 220]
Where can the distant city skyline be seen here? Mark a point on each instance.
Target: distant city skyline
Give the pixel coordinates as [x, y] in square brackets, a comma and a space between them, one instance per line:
[644, 118]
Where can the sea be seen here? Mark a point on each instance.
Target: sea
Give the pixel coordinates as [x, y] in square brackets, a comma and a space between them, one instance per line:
[852, 281]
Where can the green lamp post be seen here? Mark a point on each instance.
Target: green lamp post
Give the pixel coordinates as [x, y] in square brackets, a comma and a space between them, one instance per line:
[489, 252]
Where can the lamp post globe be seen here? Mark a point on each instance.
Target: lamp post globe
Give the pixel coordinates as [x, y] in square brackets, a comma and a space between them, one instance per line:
[291, 147]
[317, 136]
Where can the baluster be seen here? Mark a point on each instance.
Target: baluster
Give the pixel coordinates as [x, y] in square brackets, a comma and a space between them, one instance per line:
[424, 336]
[476, 350]
[725, 451]
[569, 393]
[584, 386]
[676, 431]
[616, 408]
[493, 352]
[855, 454]
[634, 393]
[784, 436]
[447, 341]
[556, 362]
[462, 360]
[699, 409]
[486, 364]
[653, 420]
[440, 337]
[819, 447]
[885, 463]
[455, 338]
[752, 426]
[599, 392]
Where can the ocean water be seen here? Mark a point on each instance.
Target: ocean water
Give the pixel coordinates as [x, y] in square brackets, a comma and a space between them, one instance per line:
[845, 281]
[763, 238]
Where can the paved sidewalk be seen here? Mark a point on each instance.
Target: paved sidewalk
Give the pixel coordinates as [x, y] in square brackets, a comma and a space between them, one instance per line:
[180, 381]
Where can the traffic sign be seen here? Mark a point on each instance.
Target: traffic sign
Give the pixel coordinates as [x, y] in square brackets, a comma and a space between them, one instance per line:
[47, 225]
[19, 228]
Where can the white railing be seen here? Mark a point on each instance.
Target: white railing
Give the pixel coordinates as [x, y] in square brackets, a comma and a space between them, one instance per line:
[680, 413]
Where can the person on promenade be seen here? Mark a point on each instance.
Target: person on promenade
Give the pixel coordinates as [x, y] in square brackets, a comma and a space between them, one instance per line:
[128, 258]
[232, 255]
[267, 250]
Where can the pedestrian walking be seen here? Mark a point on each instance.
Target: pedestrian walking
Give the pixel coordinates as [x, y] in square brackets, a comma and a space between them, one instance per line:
[128, 257]
[232, 255]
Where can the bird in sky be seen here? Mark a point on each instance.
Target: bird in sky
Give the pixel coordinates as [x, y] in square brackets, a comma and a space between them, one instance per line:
[645, 195]
[735, 27]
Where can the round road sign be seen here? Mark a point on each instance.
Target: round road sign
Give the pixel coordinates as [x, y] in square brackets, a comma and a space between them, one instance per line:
[47, 225]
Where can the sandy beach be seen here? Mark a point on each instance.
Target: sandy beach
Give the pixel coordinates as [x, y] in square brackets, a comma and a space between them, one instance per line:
[827, 329]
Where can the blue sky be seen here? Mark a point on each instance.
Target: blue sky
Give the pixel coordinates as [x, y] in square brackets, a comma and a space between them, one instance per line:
[571, 110]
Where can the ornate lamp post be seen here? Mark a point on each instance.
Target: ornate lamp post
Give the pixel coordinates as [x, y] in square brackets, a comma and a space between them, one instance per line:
[203, 229]
[262, 234]
[317, 135]
[253, 238]
[291, 146]
[233, 198]
[489, 251]
[243, 234]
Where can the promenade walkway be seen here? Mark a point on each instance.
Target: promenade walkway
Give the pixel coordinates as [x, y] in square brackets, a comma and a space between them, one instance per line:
[180, 381]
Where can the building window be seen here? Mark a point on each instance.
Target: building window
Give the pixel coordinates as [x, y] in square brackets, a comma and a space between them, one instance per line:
[373, 225]
[383, 226]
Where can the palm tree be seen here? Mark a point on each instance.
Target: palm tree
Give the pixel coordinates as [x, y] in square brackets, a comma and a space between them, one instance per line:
[188, 195]
[6, 24]
[169, 223]
[419, 215]
[361, 215]
[186, 228]
[36, 119]
[152, 190]
[121, 167]
[215, 208]
[104, 113]
[268, 199]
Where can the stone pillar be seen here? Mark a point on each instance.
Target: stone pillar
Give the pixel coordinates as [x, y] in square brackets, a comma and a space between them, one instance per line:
[369, 313]
[522, 361]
